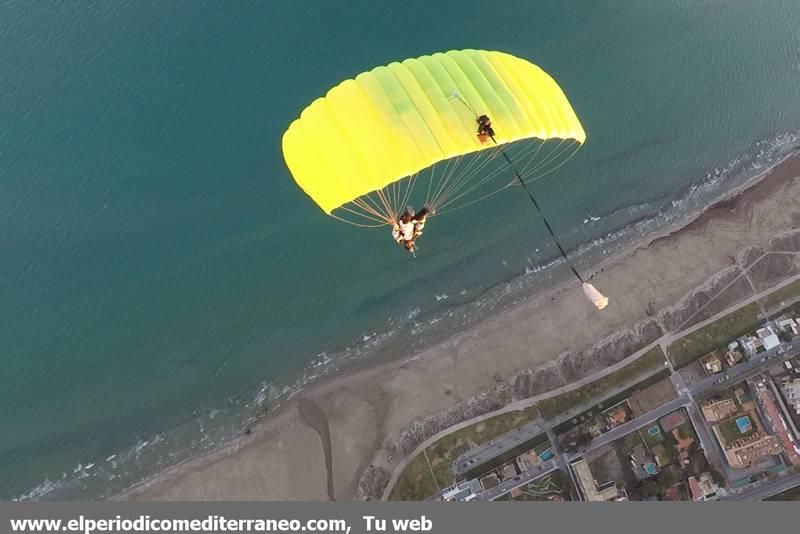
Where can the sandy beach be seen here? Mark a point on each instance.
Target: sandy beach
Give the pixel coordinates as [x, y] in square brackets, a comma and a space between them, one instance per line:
[317, 447]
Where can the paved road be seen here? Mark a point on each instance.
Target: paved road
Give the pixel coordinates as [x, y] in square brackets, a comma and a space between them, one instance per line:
[519, 480]
[630, 426]
[706, 388]
[561, 461]
[477, 456]
[713, 450]
[496, 447]
[664, 341]
[784, 408]
[669, 338]
[764, 491]
[745, 370]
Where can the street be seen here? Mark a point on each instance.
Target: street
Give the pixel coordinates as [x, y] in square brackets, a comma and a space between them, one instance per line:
[519, 480]
[688, 398]
[764, 491]
[630, 426]
[496, 447]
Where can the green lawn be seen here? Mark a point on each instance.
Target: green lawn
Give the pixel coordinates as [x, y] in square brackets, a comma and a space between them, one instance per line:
[686, 431]
[689, 348]
[419, 480]
[653, 440]
[447, 449]
[730, 431]
[784, 294]
[552, 407]
[416, 483]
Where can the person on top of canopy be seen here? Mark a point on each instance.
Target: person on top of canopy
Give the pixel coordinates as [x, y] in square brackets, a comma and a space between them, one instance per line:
[409, 227]
[485, 130]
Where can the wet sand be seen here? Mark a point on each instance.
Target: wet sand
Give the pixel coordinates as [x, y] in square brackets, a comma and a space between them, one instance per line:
[287, 456]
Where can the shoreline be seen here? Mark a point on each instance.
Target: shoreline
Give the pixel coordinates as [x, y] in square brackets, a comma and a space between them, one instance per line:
[370, 395]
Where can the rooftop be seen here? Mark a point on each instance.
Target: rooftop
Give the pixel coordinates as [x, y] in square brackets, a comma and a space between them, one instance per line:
[718, 410]
[589, 486]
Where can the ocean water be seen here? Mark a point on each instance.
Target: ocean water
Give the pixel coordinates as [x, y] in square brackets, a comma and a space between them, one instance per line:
[163, 281]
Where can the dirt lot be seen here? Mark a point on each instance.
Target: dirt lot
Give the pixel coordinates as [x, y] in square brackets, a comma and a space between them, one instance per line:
[651, 397]
[693, 373]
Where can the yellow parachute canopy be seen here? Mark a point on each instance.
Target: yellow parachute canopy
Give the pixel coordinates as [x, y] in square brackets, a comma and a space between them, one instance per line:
[394, 121]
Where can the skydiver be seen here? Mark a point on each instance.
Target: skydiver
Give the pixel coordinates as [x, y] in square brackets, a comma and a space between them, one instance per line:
[485, 130]
[409, 227]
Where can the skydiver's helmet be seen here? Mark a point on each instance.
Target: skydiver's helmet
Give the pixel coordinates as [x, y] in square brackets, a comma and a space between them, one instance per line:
[407, 215]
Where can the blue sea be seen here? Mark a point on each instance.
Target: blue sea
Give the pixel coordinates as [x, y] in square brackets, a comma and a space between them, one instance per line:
[163, 281]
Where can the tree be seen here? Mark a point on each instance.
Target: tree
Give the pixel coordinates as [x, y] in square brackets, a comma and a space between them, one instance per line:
[717, 477]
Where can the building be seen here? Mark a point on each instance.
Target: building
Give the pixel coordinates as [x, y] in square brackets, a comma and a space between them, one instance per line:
[715, 411]
[703, 489]
[791, 390]
[779, 425]
[744, 439]
[733, 357]
[712, 363]
[489, 481]
[742, 395]
[790, 326]
[508, 472]
[589, 486]
[617, 414]
[527, 461]
[744, 452]
[461, 491]
[752, 345]
[768, 337]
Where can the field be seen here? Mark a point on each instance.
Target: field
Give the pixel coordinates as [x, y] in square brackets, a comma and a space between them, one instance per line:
[782, 296]
[651, 397]
[416, 483]
[730, 431]
[431, 469]
[717, 334]
[553, 407]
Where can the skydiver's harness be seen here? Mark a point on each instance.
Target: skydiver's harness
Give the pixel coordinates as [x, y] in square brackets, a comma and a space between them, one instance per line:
[418, 225]
[485, 131]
